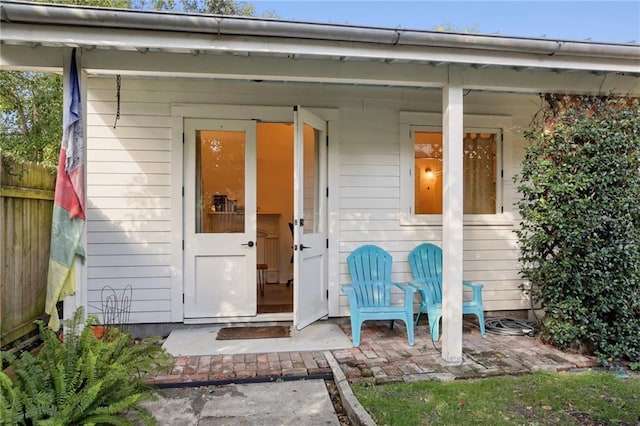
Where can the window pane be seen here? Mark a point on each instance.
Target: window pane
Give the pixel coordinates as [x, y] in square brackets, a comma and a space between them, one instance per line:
[220, 191]
[310, 189]
[479, 172]
[428, 172]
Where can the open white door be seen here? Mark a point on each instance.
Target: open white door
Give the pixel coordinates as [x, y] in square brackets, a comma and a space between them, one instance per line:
[219, 218]
[310, 299]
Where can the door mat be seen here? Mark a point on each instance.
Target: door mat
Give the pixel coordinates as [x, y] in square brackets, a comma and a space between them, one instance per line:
[275, 308]
[237, 333]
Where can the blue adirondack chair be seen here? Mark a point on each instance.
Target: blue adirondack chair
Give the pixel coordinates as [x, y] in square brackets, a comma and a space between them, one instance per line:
[426, 266]
[370, 291]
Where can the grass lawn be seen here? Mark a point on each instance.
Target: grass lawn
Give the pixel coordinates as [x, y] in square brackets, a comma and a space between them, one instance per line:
[588, 398]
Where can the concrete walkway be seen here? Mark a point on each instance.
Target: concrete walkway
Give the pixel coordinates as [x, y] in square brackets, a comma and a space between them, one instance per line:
[300, 402]
[384, 356]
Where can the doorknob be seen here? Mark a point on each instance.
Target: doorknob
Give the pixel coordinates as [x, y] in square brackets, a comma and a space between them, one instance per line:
[302, 247]
[250, 244]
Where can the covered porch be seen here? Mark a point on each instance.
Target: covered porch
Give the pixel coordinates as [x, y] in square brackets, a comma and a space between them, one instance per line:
[287, 55]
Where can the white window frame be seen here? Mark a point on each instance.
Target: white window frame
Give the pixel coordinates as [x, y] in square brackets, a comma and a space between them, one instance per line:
[413, 121]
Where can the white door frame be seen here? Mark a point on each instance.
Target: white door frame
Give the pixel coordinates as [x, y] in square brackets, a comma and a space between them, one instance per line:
[180, 111]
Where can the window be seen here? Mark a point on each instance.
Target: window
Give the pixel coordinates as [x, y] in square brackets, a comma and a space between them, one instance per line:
[479, 162]
[421, 163]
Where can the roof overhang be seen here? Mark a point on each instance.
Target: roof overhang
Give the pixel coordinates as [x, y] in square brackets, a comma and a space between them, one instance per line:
[196, 42]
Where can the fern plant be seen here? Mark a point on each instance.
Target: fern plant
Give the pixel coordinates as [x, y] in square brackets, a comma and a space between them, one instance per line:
[81, 379]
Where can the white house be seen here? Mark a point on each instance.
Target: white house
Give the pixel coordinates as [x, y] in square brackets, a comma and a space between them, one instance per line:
[207, 135]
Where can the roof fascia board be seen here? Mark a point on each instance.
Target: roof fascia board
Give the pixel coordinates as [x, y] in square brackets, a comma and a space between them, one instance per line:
[190, 43]
[264, 68]
[25, 57]
[536, 81]
[174, 65]
[381, 74]
[110, 19]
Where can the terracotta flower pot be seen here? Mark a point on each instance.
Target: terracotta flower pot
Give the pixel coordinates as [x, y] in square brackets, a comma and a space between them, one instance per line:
[99, 331]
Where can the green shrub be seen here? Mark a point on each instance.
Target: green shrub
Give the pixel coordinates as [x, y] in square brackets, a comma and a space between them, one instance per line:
[81, 379]
[580, 230]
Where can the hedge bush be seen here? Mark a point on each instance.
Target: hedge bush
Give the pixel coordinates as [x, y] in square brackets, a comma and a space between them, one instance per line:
[580, 229]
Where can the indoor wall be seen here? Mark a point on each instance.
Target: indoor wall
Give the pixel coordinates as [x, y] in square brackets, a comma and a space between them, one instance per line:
[275, 184]
[275, 195]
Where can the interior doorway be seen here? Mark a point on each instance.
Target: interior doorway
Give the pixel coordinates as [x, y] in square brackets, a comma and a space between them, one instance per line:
[274, 177]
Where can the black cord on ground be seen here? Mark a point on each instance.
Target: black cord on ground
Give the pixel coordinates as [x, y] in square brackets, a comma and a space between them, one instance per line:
[434, 346]
[510, 326]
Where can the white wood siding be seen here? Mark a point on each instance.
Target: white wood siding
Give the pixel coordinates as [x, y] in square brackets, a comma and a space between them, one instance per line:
[370, 199]
[129, 183]
[128, 191]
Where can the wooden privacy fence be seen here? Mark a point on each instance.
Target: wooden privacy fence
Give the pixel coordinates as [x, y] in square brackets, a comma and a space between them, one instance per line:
[26, 206]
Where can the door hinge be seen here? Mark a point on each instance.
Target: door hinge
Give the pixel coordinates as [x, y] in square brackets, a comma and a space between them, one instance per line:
[327, 294]
[502, 173]
[327, 140]
[501, 209]
[327, 243]
[183, 298]
[183, 138]
[301, 222]
[182, 244]
[183, 192]
[327, 192]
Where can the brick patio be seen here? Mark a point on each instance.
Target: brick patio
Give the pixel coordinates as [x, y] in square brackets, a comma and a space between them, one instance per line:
[384, 356]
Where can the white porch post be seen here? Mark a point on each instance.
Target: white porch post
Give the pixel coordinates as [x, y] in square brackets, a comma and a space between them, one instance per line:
[452, 238]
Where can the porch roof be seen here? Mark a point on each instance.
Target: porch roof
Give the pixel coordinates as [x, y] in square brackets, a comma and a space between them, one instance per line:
[56, 26]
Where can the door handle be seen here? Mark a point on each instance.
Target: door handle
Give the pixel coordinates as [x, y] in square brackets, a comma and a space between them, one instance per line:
[302, 247]
[250, 244]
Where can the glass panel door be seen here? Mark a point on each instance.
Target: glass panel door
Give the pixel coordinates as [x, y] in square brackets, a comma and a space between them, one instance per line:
[309, 234]
[220, 218]
[220, 181]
